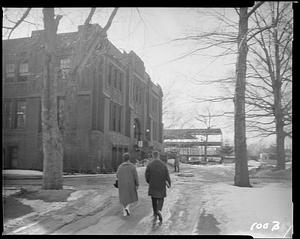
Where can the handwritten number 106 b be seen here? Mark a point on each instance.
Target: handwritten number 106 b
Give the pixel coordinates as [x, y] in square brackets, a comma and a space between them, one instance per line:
[265, 226]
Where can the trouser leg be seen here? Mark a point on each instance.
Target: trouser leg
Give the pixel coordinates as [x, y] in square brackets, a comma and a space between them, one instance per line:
[154, 205]
[160, 203]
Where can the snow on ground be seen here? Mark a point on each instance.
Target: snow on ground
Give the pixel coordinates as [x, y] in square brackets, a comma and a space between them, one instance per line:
[240, 210]
[42, 207]
[78, 194]
[253, 163]
[21, 172]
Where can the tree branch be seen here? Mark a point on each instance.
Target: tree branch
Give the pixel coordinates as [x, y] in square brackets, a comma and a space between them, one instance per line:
[20, 21]
[254, 8]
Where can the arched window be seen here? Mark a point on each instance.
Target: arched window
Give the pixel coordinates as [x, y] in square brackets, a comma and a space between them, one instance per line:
[137, 129]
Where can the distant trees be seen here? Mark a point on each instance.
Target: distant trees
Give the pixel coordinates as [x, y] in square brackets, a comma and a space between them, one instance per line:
[226, 150]
[207, 120]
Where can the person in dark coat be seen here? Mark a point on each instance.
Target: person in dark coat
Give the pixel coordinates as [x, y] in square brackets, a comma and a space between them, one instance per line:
[157, 176]
[128, 183]
[176, 163]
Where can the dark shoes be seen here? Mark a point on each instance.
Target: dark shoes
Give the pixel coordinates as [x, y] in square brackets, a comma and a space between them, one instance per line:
[159, 216]
[127, 211]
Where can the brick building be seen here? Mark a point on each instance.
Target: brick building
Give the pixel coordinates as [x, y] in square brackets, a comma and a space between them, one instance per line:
[118, 106]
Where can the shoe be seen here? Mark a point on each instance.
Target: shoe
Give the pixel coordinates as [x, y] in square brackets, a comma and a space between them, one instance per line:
[124, 213]
[159, 216]
[127, 212]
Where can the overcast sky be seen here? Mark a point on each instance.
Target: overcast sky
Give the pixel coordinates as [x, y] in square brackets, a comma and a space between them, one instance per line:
[148, 32]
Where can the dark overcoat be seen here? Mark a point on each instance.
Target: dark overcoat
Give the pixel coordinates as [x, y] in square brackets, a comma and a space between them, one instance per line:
[176, 161]
[157, 174]
[127, 183]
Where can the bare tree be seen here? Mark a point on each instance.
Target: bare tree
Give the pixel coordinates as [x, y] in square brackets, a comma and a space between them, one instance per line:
[269, 85]
[236, 33]
[208, 120]
[241, 177]
[51, 136]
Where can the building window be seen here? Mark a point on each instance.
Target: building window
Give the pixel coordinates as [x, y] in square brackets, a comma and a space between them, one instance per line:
[155, 131]
[136, 95]
[115, 117]
[23, 71]
[40, 116]
[21, 113]
[136, 129]
[119, 118]
[137, 92]
[10, 72]
[154, 105]
[140, 96]
[115, 78]
[14, 114]
[8, 115]
[109, 74]
[121, 81]
[65, 66]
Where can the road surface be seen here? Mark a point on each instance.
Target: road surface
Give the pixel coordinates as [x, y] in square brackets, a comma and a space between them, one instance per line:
[183, 211]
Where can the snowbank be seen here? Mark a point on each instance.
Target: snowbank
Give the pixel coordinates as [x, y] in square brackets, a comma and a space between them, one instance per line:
[253, 163]
[38, 174]
[278, 174]
[22, 172]
[264, 211]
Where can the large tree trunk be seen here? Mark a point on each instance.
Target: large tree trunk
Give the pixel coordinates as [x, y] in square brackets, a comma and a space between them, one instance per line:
[277, 85]
[280, 152]
[241, 165]
[51, 136]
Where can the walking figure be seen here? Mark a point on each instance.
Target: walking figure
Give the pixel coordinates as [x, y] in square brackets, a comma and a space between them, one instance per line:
[157, 176]
[128, 183]
[176, 163]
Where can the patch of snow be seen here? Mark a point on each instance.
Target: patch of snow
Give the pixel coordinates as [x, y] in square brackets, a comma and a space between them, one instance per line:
[21, 172]
[42, 207]
[6, 192]
[79, 194]
[69, 187]
[253, 163]
[237, 209]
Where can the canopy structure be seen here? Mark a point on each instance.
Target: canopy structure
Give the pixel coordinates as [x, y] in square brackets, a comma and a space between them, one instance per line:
[193, 141]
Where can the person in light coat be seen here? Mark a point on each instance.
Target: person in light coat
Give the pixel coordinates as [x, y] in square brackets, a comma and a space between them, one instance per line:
[128, 184]
[157, 176]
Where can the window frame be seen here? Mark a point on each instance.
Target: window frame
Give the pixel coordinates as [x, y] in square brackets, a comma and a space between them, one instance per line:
[17, 114]
[8, 116]
[63, 67]
[10, 78]
[23, 75]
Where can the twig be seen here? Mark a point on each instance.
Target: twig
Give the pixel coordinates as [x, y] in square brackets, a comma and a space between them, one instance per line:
[20, 21]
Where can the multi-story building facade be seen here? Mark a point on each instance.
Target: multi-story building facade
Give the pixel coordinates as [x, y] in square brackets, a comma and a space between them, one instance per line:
[118, 107]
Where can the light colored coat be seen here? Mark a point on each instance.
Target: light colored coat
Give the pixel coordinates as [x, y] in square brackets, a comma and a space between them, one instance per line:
[127, 183]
